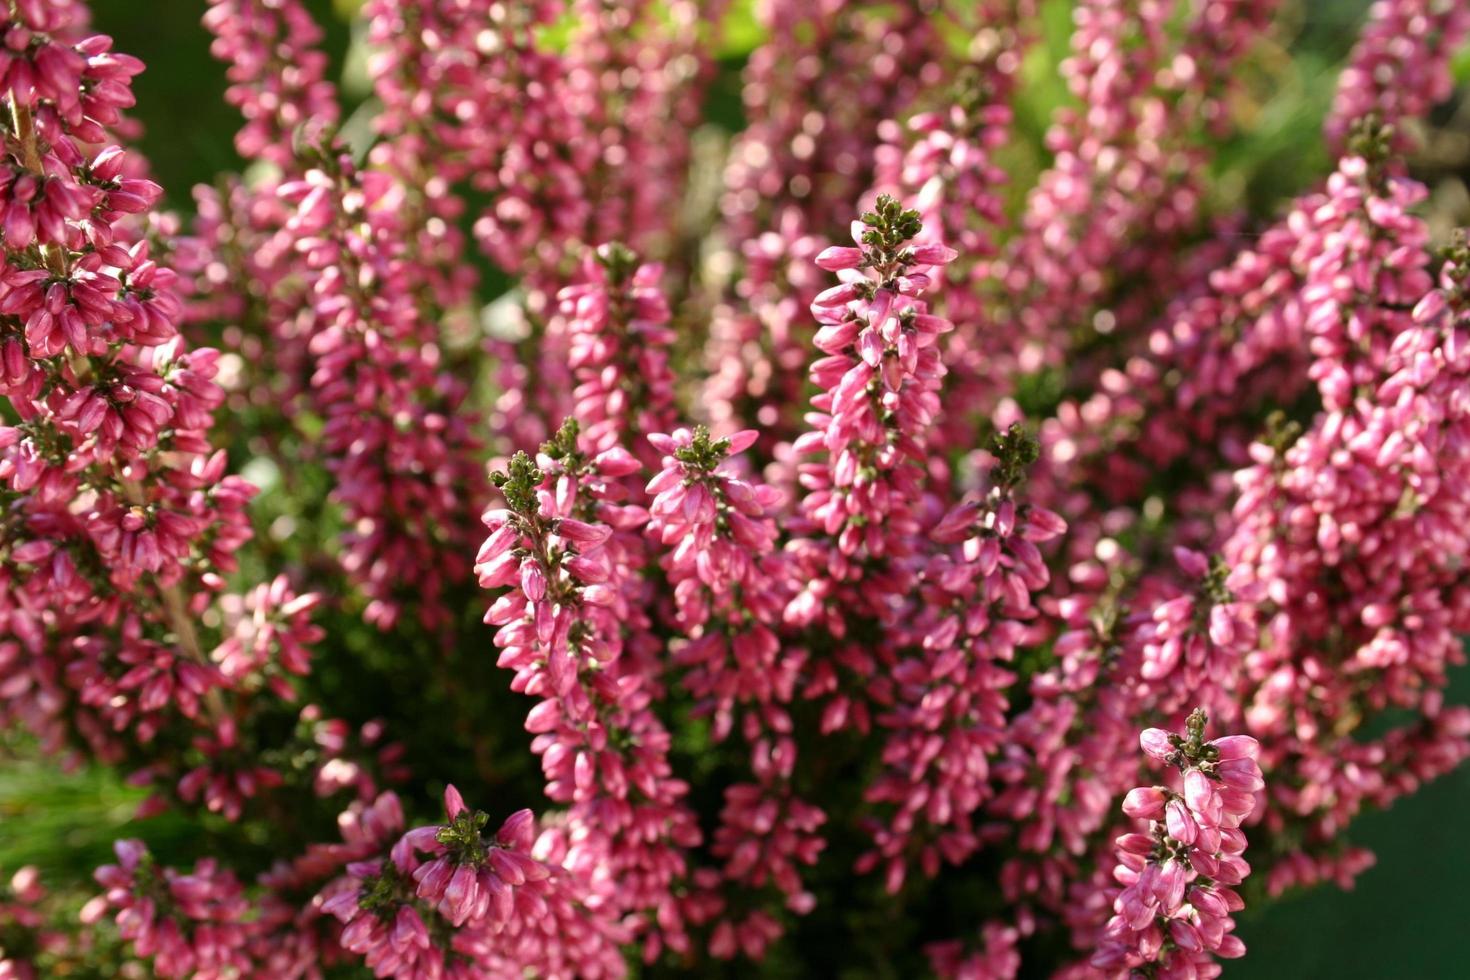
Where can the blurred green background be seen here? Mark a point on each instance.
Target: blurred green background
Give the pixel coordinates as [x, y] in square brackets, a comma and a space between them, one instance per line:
[1408, 917]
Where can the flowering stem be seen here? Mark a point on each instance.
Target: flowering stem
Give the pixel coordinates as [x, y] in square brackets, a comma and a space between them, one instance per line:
[177, 611]
[174, 604]
[25, 134]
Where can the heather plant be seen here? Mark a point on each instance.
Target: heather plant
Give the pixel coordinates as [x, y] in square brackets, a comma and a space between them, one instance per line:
[925, 526]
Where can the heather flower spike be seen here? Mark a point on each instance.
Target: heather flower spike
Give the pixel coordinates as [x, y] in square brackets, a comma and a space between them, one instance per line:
[1172, 915]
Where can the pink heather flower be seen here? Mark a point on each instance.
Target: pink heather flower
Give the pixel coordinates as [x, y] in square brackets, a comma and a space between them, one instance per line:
[1334, 500]
[1127, 177]
[1198, 642]
[276, 73]
[445, 893]
[942, 165]
[603, 750]
[947, 716]
[27, 921]
[859, 529]
[470, 878]
[184, 925]
[730, 587]
[618, 102]
[404, 459]
[806, 154]
[729, 582]
[351, 759]
[125, 522]
[1369, 240]
[1173, 912]
[809, 144]
[976, 654]
[367, 826]
[759, 338]
[615, 325]
[226, 780]
[1399, 67]
[767, 834]
[638, 76]
[295, 939]
[1272, 312]
[403, 468]
[879, 379]
[272, 635]
[433, 134]
[1230, 345]
[993, 957]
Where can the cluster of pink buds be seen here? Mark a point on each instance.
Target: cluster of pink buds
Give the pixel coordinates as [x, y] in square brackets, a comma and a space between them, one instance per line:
[727, 578]
[1127, 178]
[347, 241]
[636, 75]
[121, 522]
[21, 914]
[617, 339]
[1366, 485]
[185, 924]
[807, 153]
[292, 938]
[809, 146]
[445, 876]
[879, 395]
[879, 382]
[730, 588]
[759, 340]
[946, 720]
[347, 759]
[270, 635]
[944, 167]
[451, 901]
[276, 73]
[393, 435]
[1400, 66]
[570, 632]
[1179, 877]
[1195, 641]
[997, 956]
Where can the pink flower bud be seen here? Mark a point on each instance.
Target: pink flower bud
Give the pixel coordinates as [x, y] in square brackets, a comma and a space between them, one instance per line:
[837, 257]
[1155, 741]
[1144, 803]
[933, 253]
[453, 802]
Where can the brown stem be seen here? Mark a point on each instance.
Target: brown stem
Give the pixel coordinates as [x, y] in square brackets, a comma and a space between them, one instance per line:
[30, 158]
[177, 611]
[25, 135]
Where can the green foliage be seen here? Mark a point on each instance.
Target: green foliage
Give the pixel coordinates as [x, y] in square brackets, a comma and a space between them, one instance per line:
[1014, 450]
[66, 821]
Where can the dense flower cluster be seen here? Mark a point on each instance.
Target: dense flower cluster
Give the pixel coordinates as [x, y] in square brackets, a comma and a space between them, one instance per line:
[186, 924]
[859, 522]
[828, 584]
[570, 630]
[120, 519]
[1178, 878]
[448, 901]
[1398, 68]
